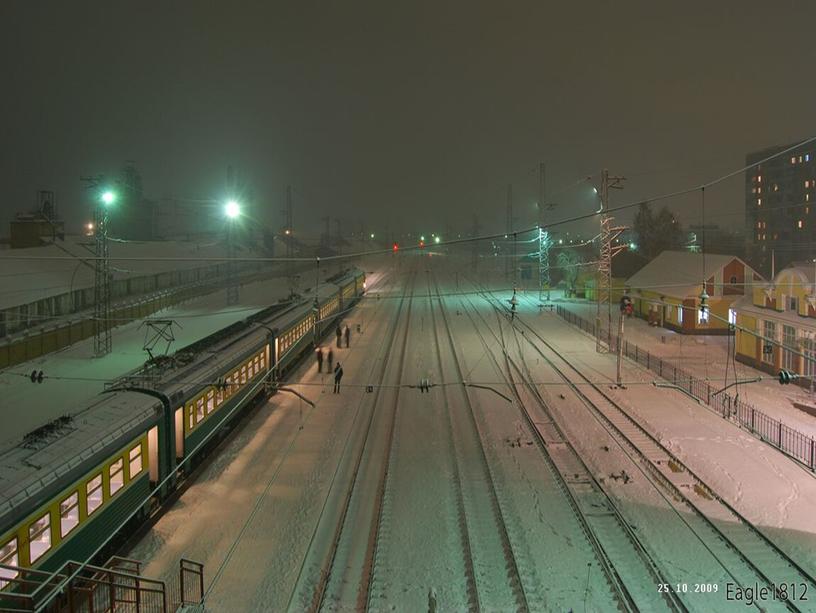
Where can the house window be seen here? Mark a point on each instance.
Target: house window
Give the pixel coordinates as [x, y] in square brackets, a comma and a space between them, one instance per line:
[39, 537]
[732, 317]
[793, 160]
[680, 314]
[702, 315]
[69, 514]
[8, 556]
[807, 184]
[93, 490]
[769, 332]
[759, 178]
[793, 304]
[809, 346]
[789, 344]
[807, 157]
[800, 224]
[733, 280]
[117, 476]
[759, 201]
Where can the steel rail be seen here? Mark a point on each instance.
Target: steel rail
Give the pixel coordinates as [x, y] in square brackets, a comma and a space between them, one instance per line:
[675, 490]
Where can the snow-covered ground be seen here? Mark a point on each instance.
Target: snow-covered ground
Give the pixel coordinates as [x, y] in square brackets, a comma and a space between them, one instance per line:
[260, 513]
[705, 358]
[75, 376]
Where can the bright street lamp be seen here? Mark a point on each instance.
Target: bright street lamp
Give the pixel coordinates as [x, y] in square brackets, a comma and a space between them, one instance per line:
[232, 209]
[108, 197]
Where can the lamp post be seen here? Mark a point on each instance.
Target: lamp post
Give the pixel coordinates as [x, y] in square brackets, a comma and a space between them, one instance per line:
[232, 210]
[102, 325]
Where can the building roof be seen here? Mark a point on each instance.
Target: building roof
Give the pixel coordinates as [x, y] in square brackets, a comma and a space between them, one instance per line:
[678, 273]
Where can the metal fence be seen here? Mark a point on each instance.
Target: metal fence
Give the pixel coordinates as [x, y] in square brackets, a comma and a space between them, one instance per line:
[793, 443]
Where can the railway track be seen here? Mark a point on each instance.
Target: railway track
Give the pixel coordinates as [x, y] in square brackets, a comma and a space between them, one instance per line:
[478, 505]
[743, 550]
[327, 580]
[630, 570]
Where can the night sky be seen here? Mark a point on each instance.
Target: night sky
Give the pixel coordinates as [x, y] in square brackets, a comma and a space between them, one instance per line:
[413, 113]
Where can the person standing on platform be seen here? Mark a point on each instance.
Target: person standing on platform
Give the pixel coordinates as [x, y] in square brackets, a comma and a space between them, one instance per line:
[330, 358]
[339, 334]
[319, 355]
[347, 334]
[338, 374]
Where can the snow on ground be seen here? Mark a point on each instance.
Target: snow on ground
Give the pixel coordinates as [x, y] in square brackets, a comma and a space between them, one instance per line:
[76, 376]
[250, 512]
[704, 357]
[763, 484]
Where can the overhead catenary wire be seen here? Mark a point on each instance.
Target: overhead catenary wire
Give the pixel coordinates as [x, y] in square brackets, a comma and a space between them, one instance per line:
[496, 235]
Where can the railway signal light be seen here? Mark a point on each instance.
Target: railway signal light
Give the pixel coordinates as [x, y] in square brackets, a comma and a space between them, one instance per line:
[786, 376]
[625, 304]
[395, 247]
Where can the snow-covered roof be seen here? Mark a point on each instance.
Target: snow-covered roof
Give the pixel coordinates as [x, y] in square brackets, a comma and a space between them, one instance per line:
[30, 472]
[29, 280]
[27, 406]
[678, 273]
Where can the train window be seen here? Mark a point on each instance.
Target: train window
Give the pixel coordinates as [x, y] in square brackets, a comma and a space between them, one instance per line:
[243, 375]
[190, 416]
[69, 514]
[200, 409]
[117, 476]
[228, 391]
[219, 397]
[135, 461]
[93, 490]
[39, 537]
[8, 556]
[210, 401]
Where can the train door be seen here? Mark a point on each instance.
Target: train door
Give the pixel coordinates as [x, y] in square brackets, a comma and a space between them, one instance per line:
[153, 453]
[180, 432]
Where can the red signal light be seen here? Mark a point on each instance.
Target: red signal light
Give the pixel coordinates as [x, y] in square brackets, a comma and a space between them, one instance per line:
[395, 248]
[421, 243]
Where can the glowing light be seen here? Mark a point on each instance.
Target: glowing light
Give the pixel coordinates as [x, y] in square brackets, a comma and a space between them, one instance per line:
[108, 197]
[632, 246]
[372, 235]
[437, 239]
[422, 239]
[287, 232]
[232, 209]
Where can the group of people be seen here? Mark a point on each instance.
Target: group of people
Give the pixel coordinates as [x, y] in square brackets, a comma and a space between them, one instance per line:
[338, 370]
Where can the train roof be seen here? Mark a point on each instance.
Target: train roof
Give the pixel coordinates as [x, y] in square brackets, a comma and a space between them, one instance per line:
[74, 377]
[62, 451]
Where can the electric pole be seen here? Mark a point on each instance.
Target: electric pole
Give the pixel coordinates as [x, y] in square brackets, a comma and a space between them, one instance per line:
[474, 253]
[508, 231]
[102, 295]
[608, 234]
[543, 237]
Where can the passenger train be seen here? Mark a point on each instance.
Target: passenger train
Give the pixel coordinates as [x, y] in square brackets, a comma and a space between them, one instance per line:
[131, 447]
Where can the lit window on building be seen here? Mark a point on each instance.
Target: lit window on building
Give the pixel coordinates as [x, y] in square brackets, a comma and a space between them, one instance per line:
[732, 317]
[793, 160]
[800, 224]
[807, 184]
[775, 187]
[759, 201]
[800, 159]
[807, 157]
[759, 178]
[807, 197]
